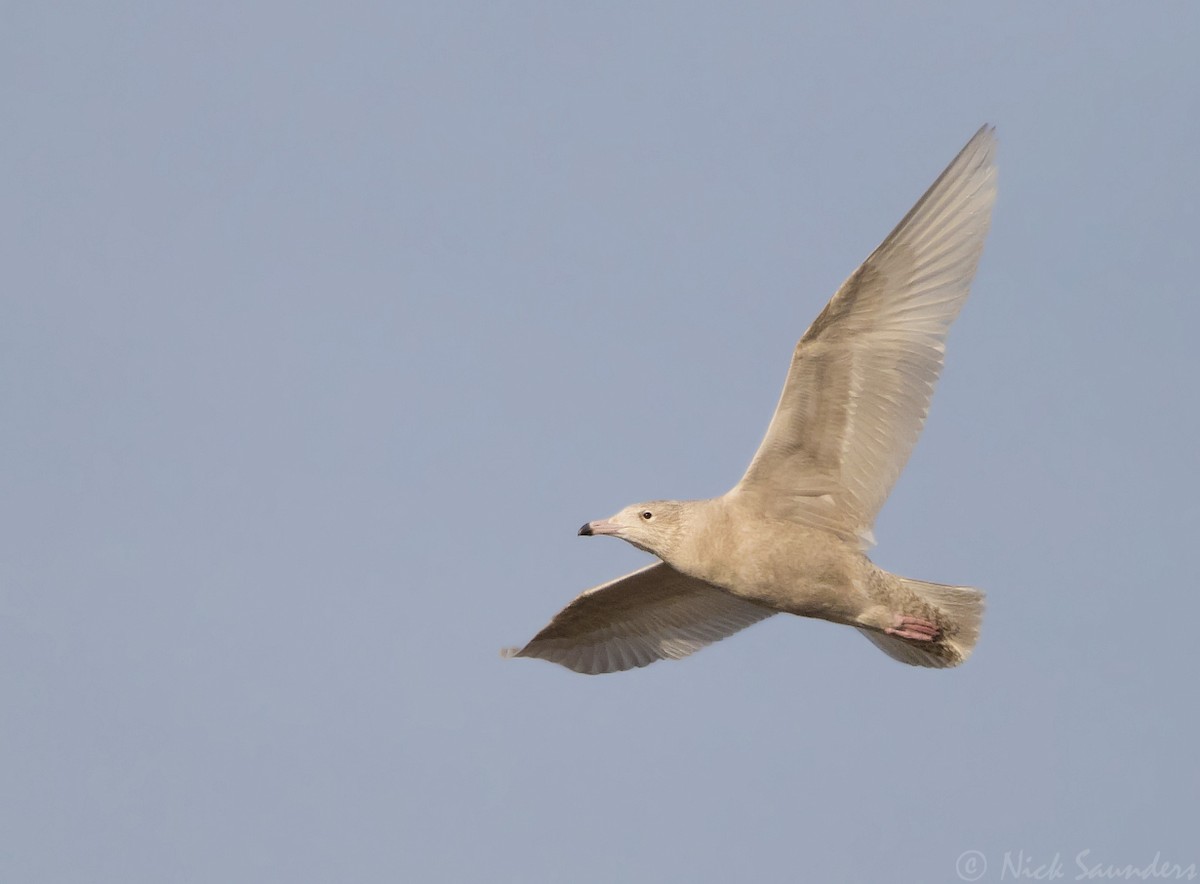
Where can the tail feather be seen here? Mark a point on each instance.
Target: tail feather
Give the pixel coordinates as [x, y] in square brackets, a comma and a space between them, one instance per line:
[961, 609]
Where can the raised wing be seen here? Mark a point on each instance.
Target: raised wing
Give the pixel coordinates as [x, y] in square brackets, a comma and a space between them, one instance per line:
[655, 613]
[862, 377]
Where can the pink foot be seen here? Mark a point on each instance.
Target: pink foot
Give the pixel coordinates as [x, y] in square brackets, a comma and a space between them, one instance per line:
[916, 628]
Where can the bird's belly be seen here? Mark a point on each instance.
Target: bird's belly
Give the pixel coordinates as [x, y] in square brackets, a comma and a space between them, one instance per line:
[810, 577]
[828, 594]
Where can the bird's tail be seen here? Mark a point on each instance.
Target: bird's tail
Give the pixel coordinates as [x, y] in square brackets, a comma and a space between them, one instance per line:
[961, 610]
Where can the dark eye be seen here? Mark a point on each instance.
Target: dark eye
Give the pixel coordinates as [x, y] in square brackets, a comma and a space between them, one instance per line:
[647, 515]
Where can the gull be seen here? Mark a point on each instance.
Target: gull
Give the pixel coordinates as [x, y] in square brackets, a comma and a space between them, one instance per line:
[792, 535]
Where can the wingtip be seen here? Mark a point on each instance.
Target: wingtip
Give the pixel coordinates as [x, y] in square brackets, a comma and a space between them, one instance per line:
[987, 130]
[509, 653]
[983, 144]
[976, 160]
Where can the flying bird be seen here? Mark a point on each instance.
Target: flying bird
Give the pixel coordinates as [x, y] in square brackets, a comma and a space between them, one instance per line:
[792, 535]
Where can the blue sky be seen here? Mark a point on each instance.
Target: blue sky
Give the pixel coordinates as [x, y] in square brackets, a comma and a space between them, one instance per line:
[324, 328]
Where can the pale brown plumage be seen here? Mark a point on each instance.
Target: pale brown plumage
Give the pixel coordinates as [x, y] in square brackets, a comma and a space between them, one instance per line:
[791, 536]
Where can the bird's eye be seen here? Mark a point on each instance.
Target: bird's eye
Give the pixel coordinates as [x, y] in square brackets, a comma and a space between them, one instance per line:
[647, 515]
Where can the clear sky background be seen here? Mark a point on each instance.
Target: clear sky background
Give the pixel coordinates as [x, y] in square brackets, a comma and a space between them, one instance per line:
[323, 328]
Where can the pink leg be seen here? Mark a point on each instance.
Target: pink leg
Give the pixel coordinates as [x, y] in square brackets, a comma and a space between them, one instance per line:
[916, 628]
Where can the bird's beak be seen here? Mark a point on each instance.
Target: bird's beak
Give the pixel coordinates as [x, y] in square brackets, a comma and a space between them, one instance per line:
[604, 526]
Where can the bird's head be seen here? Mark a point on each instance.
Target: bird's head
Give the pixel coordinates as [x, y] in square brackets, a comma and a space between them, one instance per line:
[655, 526]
